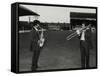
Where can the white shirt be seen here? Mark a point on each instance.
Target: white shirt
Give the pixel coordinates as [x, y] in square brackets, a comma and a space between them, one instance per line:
[83, 35]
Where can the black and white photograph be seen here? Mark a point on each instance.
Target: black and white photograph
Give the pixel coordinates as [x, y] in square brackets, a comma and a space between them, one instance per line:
[56, 37]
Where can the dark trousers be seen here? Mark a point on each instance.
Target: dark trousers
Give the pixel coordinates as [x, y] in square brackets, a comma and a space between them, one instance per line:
[35, 59]
[84, 49]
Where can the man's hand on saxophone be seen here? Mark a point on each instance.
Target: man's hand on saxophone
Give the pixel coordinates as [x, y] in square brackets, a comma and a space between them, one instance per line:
[78, 32]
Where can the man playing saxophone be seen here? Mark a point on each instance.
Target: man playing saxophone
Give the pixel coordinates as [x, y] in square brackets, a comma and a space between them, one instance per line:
[84, 35]
[37, 42]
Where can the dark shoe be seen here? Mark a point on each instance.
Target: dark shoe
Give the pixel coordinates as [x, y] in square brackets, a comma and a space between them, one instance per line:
[83, 67]
[87, 67]
[34, 70]
[37, 66]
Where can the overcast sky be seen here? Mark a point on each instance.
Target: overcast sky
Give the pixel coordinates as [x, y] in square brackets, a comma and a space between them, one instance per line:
[53, 14]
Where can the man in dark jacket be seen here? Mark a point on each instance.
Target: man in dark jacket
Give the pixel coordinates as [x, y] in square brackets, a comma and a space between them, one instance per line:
[35, 48]
[85, 45]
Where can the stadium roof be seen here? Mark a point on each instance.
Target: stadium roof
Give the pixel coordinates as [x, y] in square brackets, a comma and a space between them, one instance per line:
[86, 16]
[22, 11]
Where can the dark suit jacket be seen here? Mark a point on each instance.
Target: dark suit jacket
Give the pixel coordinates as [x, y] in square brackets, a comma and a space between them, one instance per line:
[34, 40]
[88, 37]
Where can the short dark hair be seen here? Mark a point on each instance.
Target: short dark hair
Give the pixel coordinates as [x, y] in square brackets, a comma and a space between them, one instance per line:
[35, 22]
[83, 22]
[86, 23]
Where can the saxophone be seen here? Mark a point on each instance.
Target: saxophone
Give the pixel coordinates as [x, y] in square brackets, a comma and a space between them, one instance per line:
[42, 39]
